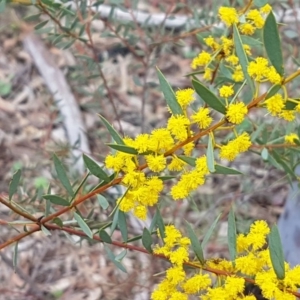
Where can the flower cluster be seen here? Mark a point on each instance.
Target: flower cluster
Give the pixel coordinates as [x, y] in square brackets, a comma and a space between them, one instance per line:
[252, 261]
[143, 191]
[176, 285]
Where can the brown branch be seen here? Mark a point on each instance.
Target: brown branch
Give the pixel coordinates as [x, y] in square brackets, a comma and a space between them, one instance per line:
[17, 210]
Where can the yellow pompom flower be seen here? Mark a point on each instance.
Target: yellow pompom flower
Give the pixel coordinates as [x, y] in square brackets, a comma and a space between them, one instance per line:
[141, 143]
[266, 9]
[256, 17]
[197, 283]
[235, 147]
[178, 126]
[202, 118]
[176, 164]
[273, 76]
[185, 97]
[247, 29]
[238, 74]
[288, 115]
[226, 91]
[228, 15]
[291, 138]
[258, 69]
[210, 42]
[201, 60]
[160, 140]
[207, 74]
[232, 59]
[236, 112]
[275, 104]
[156, 163]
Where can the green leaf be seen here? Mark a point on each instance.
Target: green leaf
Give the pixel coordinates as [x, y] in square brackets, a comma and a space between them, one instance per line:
[189, 160]
[41, 25]
[123, 148]
[123, 225]
[283, 164]
[32, 18]
[209, 97]
[56, 200]
[104, 236]
[260, 3]
[15, 256]
[62, 175]
[169, 94]
[78, 189]
[121, 255]
[265, 154]
[85, 228]
[167, 177]
[115, 221]
[210, 155]
[147, 240]
[273, 90]
[241, 54]
[112, 257]
[102, 201]
[232, 235]
[114, 134]
[210, 231]
[272, 43]
[195, 243]
[225, 170]
[160, 224]
[95, 169]
[58, 222]
[13, 185]
[45, 230]
[276, 252]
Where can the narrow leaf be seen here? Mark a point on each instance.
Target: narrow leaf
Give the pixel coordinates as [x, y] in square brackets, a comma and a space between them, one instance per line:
[273, 90]
[272, 43]
[56, 200]
[104, 236]
[62, 175]
[123, 148]
[210, 231]
[102, 201]
[114, 134]
[111, 256]
[209, 97]
[15, 256]
[45, 230]
[115, 221]
[95, 169]
[276, 252]
[160, 224]
[189, 160]
[41, 25]
[169, 94]
[147, 240]
[283, 164]
[13, 185]
[241, 54]
[85, 228]
[58, 222]
[265, 154]
[225, 170]
[195, 243]
[121, 255]
[123, 225]
[232, 235]
[210, 155]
